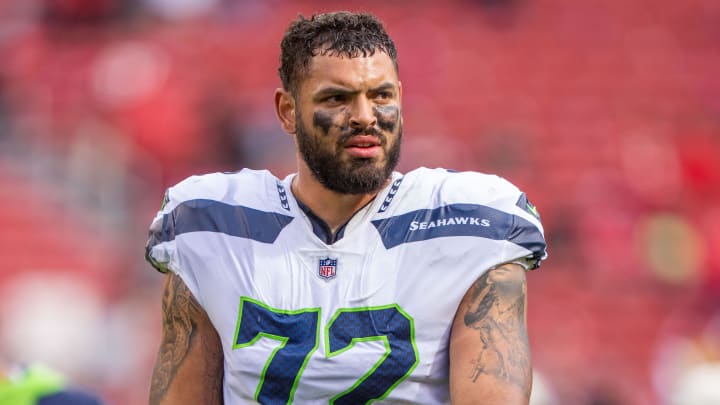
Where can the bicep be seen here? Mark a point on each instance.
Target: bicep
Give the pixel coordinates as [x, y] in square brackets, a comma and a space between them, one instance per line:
[489, 348]
[189, 363]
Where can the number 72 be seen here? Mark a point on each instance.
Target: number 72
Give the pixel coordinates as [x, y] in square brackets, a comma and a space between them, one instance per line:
[298, 333]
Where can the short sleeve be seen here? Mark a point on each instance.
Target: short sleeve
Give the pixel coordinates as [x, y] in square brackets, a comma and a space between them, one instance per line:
[160, 250]
[526, 233]
[166, 250]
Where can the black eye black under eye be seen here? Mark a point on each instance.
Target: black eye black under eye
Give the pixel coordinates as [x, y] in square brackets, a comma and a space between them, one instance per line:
[323, 120]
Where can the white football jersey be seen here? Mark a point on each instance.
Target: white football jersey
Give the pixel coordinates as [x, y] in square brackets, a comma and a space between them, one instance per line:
[365, 318]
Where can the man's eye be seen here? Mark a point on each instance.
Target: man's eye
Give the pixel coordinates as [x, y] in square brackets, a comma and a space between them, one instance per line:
[337, 98]
[384, 95]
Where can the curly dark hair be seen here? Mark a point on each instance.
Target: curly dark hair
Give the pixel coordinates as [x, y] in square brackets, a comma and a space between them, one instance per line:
[339, 33]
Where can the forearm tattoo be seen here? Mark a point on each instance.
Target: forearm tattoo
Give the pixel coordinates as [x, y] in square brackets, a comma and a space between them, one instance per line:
[496, 309]
[180, 311]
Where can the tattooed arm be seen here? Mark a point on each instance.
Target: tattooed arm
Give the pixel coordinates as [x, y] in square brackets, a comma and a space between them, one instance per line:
[489, 348]
[189, 364]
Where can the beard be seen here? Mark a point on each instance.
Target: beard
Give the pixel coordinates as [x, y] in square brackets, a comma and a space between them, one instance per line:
[354, 176]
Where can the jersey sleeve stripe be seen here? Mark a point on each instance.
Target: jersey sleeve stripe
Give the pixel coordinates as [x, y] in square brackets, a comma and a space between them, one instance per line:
[203, 215]
[460, 220]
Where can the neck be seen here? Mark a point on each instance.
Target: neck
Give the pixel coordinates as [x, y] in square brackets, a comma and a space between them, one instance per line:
[332, 207]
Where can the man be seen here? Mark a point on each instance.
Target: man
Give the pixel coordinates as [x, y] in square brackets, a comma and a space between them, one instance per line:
[346, 282]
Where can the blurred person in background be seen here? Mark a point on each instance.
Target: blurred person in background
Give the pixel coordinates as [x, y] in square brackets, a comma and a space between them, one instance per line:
[39, 385]
[686, 370]
[347, 281]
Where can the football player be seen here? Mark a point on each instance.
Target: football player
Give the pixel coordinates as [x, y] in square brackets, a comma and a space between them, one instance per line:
[346, 282]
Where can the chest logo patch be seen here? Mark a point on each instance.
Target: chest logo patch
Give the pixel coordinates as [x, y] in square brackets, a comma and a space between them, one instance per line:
[327, 269]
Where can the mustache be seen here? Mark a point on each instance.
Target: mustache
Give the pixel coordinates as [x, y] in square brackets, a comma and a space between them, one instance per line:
[372, 131]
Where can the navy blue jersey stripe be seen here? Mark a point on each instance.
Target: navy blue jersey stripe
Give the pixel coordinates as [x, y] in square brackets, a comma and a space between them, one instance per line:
[214, 216]
[460, 220]
[524, 233]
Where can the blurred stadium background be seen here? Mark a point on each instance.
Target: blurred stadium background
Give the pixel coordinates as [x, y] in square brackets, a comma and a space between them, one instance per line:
[606, 113]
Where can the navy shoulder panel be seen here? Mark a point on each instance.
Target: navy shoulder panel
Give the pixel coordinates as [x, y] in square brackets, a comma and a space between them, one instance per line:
[215, 216]
[459, 220]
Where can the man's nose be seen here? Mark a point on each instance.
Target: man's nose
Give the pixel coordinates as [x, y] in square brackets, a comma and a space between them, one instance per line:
[362, 114]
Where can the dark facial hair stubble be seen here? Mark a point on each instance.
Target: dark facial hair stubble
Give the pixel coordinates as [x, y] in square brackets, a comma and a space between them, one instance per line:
[357, 176]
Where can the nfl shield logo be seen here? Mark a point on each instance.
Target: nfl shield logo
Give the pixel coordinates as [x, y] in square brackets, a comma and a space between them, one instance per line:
[327, 268]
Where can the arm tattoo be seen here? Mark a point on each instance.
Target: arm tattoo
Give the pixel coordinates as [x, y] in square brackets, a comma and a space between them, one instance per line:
[496, 309]
[180, 311]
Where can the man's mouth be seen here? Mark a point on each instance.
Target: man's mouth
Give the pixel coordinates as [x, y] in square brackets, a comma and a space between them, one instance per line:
[363, 146]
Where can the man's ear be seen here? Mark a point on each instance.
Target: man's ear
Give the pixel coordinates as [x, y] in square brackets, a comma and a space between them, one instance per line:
[285, 110]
